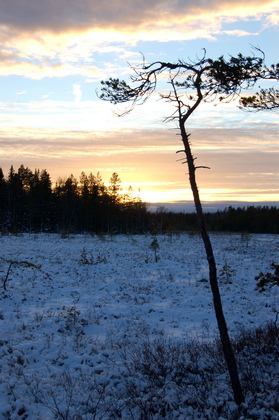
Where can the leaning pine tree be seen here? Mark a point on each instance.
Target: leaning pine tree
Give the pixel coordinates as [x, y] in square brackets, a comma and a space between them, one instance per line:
[190, 84]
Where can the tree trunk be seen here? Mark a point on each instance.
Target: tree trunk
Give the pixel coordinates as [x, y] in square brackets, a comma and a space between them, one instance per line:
[222, 326]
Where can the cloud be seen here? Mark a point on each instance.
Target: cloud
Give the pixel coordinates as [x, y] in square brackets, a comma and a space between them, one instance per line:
[43, 54]
[237, 32]
[66, 15]
[156, 150]
[39, 70]
[48, 38]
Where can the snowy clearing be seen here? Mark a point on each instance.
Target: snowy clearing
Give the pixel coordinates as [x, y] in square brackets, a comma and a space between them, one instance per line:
[77, 312]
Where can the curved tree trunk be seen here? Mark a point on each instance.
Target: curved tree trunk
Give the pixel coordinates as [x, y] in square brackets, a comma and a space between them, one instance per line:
[222, 326]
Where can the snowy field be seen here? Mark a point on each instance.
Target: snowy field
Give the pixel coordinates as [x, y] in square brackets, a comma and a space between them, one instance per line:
[78, 313]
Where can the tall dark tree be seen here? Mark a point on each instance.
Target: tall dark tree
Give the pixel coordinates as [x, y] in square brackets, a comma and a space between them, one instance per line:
[41, 195]
[114, 204]
[16, 195]
[190, 84]
[67, 201]
[3, 200]
[26, 176]
[114, 187]
[83, 185]
[98, 201]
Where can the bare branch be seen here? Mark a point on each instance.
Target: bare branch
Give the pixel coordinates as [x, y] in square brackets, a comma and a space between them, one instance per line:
[202, 167]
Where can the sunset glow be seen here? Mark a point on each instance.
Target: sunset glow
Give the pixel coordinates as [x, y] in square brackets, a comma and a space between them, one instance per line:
[52, 62]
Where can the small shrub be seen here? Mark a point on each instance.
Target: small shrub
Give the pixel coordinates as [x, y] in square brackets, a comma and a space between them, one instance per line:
[268, 279]
[264, 339]
[74, 395]
[85, 259]
[88, 259]
[100, 259]
[227, 273]
[257, 351]
[64, 234]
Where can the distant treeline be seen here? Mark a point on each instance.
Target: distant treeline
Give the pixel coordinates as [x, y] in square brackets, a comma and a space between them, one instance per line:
[251, 219]
[30, 203]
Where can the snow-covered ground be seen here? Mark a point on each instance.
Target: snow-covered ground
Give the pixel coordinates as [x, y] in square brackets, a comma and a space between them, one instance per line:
[76, 308]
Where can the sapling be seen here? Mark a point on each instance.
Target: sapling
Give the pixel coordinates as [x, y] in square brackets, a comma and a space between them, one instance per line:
[155, 246]
[7, 276]
[245, 238]
[227, 273]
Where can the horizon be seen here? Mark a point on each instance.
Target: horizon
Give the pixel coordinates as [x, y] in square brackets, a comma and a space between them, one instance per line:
[208, 206]
[183, 205]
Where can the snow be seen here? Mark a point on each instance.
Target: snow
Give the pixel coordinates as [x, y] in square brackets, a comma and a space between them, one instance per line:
[78, 311]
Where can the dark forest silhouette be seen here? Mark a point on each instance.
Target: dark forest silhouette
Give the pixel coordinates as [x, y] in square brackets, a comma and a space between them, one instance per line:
[30, 203]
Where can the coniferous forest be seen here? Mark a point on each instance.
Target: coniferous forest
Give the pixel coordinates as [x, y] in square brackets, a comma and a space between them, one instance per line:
[29, 202]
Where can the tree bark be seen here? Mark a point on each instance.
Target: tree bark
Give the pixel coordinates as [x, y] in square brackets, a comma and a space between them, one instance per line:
[222, 326]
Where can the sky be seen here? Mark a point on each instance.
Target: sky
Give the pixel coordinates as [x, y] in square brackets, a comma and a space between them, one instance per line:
[55, 53]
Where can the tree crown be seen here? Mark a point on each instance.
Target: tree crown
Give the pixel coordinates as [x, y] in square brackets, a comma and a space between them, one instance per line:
[191, 81]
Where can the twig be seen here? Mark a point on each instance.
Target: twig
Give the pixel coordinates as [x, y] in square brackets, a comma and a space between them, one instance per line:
[7, 275]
